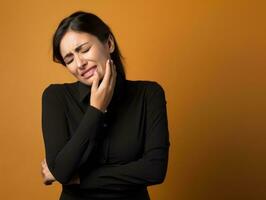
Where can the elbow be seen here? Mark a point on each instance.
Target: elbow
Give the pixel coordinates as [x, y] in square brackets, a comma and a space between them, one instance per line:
[59, 176]
[62, 180]
[159, 178]
[159, 174]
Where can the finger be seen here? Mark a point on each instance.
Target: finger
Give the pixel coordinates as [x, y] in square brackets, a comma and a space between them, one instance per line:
[47, 182]
[44, 165]
[111, 71]
[113, 78]
[111, 67]
[107, 74]
[95, 82]
[114, 71]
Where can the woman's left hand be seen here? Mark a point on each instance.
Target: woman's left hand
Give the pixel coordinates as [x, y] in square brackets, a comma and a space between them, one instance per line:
[47, 176]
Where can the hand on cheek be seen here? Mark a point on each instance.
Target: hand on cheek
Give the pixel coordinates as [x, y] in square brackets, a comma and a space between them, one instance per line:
[101, 93]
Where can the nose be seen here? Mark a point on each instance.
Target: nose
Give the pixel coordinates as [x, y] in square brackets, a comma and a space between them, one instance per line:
[80, 62]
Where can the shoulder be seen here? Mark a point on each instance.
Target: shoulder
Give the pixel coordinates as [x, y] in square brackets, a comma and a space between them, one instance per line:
[56, 90]
[149, 88]
[52, 89]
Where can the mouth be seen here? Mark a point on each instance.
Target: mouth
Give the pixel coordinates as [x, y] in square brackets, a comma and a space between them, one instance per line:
[89, 72]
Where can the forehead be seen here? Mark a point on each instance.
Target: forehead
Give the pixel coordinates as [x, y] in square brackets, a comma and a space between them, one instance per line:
[73, 39]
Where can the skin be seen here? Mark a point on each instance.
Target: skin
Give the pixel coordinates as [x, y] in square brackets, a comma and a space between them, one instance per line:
[84, 52]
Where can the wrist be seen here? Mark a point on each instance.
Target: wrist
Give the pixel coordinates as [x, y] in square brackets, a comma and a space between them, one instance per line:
[98, 108]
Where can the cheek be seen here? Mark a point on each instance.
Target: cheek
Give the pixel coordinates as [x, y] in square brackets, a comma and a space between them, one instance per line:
[102, 59]
[99, 55]
[72, 70]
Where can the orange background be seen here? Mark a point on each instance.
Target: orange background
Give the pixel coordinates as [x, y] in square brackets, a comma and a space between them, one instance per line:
[209, 56]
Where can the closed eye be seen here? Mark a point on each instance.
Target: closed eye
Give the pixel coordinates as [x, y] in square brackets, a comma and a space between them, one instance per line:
[85, 50]
[69, 62]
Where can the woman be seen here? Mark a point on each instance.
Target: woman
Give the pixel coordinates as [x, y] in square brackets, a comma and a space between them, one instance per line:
[105, 137]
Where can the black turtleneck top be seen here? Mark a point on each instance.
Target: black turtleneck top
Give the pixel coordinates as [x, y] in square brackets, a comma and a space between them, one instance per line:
[116, 154]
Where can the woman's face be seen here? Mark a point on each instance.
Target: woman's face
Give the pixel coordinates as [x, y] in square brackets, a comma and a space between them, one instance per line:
[84, 53]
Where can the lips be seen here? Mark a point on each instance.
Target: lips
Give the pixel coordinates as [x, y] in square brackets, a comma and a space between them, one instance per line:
[89, 72]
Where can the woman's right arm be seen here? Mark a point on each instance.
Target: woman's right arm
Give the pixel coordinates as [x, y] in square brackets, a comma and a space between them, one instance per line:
[63, 155]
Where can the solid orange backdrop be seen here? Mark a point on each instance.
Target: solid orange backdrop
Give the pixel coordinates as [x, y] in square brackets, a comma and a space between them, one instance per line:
[208, 55]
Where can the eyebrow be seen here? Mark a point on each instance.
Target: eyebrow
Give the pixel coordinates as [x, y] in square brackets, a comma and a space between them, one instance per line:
[76, 49]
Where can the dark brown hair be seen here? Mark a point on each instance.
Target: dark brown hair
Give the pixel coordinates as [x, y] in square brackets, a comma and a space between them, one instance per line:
[89, 23]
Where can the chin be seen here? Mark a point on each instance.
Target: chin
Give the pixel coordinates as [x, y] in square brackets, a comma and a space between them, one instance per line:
[88, 82]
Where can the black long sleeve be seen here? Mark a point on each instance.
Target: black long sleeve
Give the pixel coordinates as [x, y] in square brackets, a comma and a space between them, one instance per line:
[120, 152]
[63, 153]
[151, 168]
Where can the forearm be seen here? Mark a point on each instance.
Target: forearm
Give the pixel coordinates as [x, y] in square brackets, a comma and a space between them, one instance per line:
[48, 178]
[68, 159]
[146, 171]
[65, 155]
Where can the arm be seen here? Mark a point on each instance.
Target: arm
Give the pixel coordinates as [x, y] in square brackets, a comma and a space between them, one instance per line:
[151, 168]
[63, 154]
[48, 178]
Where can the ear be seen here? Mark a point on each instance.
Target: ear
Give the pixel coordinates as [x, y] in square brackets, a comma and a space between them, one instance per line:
[111, 44]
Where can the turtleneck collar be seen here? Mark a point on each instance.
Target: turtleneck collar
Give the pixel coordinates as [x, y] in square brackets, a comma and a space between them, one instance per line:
[85, 90]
